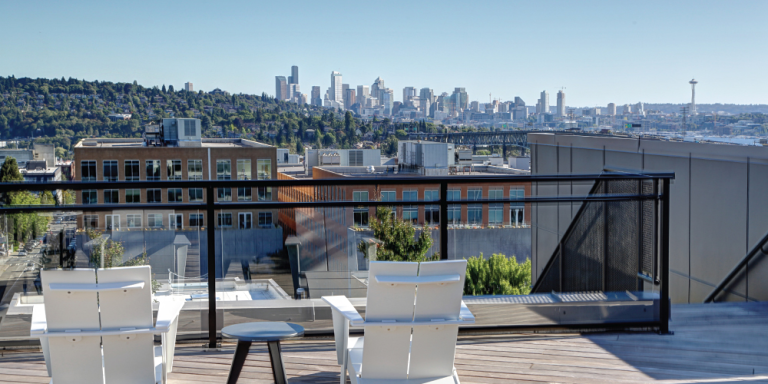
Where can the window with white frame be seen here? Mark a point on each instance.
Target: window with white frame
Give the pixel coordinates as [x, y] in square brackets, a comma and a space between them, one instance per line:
[224, 172]
[112, 222]
[474, 211]
[133, 196]
[132, 170]
[110, 170]
[194, 169]
[195, 219]
[265, 219]
[245, 220]
[432, 212]
[133, 221]
[111, 196]
[176, 221]
[175, 195]
[224, 194]
[173, 169]
[410, 212]
[91, 221]
[88, 170]
[517, 210]
[153, 170]
[90, 196]
[195, 194]
[360, 213]
[495, 210]
[264, 172]
[244, 194]
[225, 219]
[454, 210]
[154, 220]
[154, 195]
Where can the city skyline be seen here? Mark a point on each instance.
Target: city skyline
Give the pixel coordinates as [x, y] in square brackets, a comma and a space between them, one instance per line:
[616, 68]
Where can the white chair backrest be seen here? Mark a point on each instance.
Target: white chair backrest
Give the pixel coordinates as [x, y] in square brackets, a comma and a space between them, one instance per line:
[127, 357]
[431, 348]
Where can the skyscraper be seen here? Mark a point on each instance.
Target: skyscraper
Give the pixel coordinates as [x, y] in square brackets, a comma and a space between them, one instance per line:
[316, 99]
[377, 87]
[408, 94]
[544, 102]
[336, 88]
[188, 87]
[294, 78]
[387, 100]
[281, 88]
[639, 108]
[426, 98]
[612, 109]
[294, 92]
[362, 94]
[347, 103]
[349, 98]
[560, 103]
[460, 99]
[519, 102]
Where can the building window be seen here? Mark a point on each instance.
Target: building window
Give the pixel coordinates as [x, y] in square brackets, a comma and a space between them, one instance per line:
[153, 170]
[111, 196]
[110, 170]
[133, 221]
[264, 172]
[195, 169]
[195, 219]
[410, 212]
[454, 210]
[225, 219]
[390, 196]
[244, 194]
[195, 194]
[245, 220]
[360, 213]
[244, 169]
[224, 194]
[265, 219]
[176, 221]
[91, 221]
[112, 222]
[154, 220]
[133, 196]
[517, 210]
[174, 169]
[495, 210]
[174, 195]
[154, 196]
[432, 212]
[474, 211]
[132, 170]
[90, 196]
[87, 170]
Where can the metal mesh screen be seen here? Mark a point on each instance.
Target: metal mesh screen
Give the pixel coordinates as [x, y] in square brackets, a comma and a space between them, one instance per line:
[583, 251]
[648, 233]
[622, 238]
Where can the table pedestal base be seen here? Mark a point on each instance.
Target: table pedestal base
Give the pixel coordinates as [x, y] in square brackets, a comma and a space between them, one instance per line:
[275, 357]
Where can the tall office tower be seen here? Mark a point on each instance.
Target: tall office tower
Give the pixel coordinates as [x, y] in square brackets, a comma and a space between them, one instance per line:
[344, 100]
[460, 99]
[639, 109]
[560, 103]
[474, 106]
[538, 107]
[294, 77]
[519, 102]
[293, 89]
[426, 98]
[349, 98]
[316, 99]
[693, 83]
[544, 102]
[377, 87]
[504, 107]
[336, 87]
[611, 109]
[627, 109]
[281, 88]
[188, 87]
[387, 100]
[408, 94]
[362, 94]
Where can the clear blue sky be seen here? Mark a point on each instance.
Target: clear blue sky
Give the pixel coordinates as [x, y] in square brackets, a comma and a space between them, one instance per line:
[600, 51]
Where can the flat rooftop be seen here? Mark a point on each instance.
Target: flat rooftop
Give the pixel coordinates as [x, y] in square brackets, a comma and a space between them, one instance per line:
[392, 171]
[140, 143]
[712, 343]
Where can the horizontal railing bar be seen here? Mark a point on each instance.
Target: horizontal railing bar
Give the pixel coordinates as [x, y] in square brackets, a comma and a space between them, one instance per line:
[309, 204]
[81, 185]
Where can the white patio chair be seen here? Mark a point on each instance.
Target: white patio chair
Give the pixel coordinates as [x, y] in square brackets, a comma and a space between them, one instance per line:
[102, 332]
[411, 324]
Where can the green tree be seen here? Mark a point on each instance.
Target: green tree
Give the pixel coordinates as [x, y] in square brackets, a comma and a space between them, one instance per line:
[9, 172]
[299, 147]
[390, 146]
[398, 237]
[498, 275]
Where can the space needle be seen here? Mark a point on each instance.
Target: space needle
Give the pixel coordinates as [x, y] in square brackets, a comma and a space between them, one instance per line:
[693, 83]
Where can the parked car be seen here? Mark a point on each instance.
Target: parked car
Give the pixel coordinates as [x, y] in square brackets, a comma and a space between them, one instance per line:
[22, 253]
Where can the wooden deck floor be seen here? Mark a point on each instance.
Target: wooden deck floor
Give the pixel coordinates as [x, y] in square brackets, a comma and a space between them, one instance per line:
[719, 343]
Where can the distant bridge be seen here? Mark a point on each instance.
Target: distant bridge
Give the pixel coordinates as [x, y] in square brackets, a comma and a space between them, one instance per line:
[475, 139]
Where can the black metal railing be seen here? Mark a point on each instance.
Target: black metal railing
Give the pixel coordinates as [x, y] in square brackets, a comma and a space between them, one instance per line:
[657, 196]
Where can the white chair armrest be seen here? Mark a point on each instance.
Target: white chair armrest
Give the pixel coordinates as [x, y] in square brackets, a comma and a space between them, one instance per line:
[167, 314]
[465, 315]
[341, 305]
[39, 324]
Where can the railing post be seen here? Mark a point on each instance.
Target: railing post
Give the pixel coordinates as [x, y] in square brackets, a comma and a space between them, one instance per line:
[444, 220]
[664, 311]
[211, 235]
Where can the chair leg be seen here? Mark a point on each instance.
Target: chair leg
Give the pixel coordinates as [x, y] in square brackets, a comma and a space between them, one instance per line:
[241, 352]
[344, 361]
